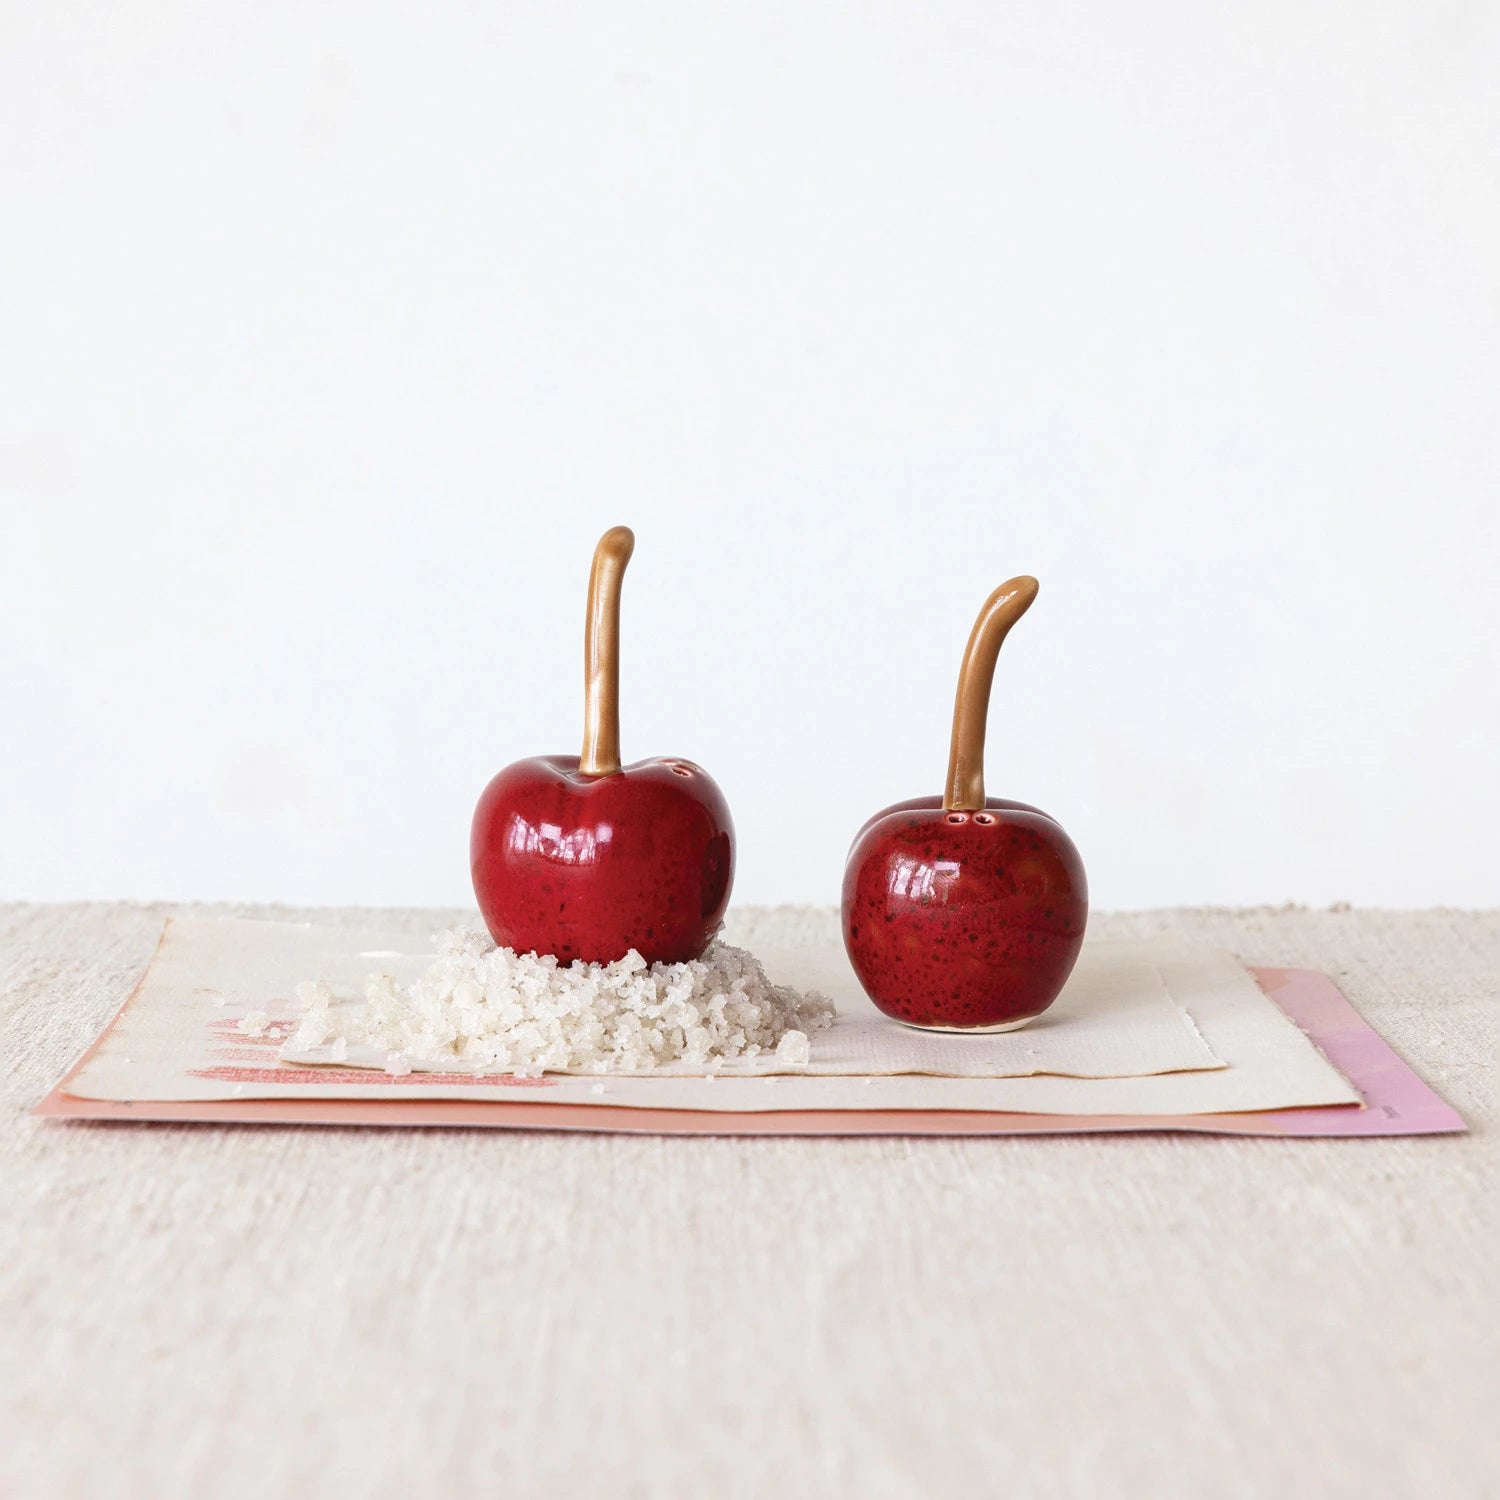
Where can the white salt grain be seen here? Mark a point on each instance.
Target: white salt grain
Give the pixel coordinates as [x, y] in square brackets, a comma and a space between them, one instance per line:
[794, 1047]
[253, 1023]
[488, 1009]
[312, 994]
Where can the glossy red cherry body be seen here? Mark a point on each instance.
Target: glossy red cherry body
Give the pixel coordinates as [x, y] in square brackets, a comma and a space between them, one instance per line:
[961, 920]
[589, 867]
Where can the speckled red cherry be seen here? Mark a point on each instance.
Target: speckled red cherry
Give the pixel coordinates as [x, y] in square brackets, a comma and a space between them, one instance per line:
[966, 912]
[585, 858]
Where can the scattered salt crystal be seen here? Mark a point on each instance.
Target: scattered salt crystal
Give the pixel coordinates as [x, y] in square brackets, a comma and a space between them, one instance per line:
[253, 1023]
[314, 1031]
[275, 1031]
[397, 1064]
[794, 1048]
[220, 1001]
[598, 1088]
[313, 995]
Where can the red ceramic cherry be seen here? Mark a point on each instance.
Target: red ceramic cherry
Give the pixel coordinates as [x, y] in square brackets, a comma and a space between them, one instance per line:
[966, 912]
[585, 858]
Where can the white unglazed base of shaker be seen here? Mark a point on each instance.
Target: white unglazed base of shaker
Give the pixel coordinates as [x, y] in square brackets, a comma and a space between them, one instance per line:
[973, 1030]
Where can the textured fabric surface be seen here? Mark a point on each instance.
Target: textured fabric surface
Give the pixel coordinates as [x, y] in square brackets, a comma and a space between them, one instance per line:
[206, 1311]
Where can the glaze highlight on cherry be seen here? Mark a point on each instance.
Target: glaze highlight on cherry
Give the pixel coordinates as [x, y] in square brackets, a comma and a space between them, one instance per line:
[579, 856]
[966, 912]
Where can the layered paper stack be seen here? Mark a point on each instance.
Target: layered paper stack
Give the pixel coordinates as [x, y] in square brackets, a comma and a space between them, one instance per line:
[1146, 1035]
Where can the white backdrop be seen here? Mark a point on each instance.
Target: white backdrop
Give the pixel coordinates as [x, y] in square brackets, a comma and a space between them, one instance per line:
[331, 337]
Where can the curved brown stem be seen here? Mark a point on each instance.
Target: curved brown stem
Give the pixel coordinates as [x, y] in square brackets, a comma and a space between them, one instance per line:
[601, 654]
[964, 791]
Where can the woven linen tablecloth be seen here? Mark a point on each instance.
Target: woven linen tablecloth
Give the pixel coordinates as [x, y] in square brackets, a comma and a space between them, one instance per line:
[209, 1311]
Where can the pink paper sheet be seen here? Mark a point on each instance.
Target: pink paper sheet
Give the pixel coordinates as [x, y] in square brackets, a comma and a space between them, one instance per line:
[1397, 1102]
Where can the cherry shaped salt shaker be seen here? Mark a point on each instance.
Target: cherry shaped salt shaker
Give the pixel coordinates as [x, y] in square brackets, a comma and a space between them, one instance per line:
[966, 912]
[579, 856]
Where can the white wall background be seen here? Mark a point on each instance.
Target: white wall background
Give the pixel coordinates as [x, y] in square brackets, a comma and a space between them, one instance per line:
[331, 335]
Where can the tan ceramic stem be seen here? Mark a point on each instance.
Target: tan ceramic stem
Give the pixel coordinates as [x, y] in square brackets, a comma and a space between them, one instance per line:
[971, 708]
[601, 654]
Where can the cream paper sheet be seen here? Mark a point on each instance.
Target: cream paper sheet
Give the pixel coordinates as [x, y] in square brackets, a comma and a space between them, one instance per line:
[1234, 1049]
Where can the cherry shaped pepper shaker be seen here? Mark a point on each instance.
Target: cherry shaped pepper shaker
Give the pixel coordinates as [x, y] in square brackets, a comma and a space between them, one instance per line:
[966, 912]
[579, 856]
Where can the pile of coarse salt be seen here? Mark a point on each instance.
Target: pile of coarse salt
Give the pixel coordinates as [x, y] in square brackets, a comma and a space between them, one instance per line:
[480, 1008]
